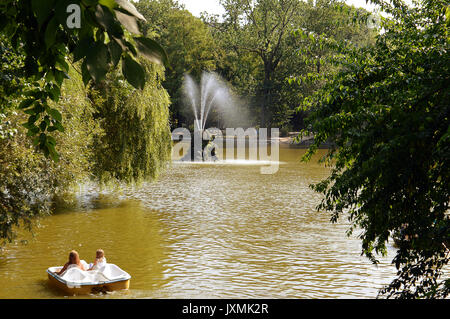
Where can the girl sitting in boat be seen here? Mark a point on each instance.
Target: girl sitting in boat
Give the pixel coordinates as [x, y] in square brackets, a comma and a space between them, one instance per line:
[74, 261]
[100, 260]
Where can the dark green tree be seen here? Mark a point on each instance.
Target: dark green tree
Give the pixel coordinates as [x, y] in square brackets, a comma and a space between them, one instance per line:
[386, 112]
[30, 184]
[262, 29]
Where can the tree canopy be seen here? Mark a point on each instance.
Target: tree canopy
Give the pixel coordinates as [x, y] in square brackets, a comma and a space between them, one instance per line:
[261, 49]
[188, 42]
[99, 90]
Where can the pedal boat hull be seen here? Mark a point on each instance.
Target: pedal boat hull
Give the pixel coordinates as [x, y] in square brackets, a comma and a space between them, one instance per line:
[86, 288]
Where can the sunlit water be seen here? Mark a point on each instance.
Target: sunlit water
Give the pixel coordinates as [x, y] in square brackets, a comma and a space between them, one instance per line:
[207, 231]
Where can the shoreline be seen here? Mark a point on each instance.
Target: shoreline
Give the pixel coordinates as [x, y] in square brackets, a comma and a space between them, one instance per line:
[305, 142]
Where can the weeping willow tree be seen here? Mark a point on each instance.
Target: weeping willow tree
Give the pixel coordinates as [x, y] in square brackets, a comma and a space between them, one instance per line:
[30, 184]
[124, 137]
[113, 133]
[136, 144]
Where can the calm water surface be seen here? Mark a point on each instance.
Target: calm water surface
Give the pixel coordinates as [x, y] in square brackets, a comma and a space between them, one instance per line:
[207, 231]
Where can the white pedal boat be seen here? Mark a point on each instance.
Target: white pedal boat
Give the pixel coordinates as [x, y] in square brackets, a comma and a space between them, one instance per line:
[75, 281]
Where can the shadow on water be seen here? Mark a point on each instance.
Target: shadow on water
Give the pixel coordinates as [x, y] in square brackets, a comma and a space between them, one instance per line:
[84, 202]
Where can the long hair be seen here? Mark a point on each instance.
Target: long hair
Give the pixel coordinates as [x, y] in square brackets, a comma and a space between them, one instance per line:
[74, 258]
[99, 253]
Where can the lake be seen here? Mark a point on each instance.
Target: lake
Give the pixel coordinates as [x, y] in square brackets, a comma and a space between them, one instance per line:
[206, 231]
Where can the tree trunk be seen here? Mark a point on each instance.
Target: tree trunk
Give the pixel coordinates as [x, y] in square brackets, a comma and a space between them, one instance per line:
[266, 116]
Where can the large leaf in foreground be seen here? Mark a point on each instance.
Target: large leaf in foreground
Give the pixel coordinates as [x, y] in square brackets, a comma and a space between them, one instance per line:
[133, 72]
[129, 7]
[152, 50]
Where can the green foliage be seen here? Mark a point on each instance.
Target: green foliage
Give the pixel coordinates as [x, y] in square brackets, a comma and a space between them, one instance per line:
[262, 49]
[30, 184]
[262, 29]
[387, 114]
[123, 139]
[136, 144]
[11, 74]
[188, 42]
[327, 29]
[38, 30]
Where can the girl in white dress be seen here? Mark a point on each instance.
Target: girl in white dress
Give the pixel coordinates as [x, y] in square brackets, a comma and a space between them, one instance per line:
[100, 260]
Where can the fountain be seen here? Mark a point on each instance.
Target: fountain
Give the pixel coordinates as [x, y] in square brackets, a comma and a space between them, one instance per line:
[213, 92]
[201, 148]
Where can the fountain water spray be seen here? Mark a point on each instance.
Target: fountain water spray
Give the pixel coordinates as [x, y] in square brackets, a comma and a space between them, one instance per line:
[213, 92]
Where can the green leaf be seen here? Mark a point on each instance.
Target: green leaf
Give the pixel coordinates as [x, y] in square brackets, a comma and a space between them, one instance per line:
[43, 126]
[152, 50]
[60, 76]
[51, 150]
[115, 50]
[129, 7]
[51, 140]
[85, 73]
[59, 126]
[61, 62]
[54, 93]
[50, 32]
[30, 111]
[129, 22]
[37, 109]
[42, 9]
[82, 48]
[133, 72]
[131, 47]
[32, 129]
[54, 113]
[26, 104]
[97, 61]
[106, 19]
[32, 119]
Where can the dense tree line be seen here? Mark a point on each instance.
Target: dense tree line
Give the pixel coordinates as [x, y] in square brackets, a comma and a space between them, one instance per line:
[254, 47]
[90, 87]
[261, 50]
